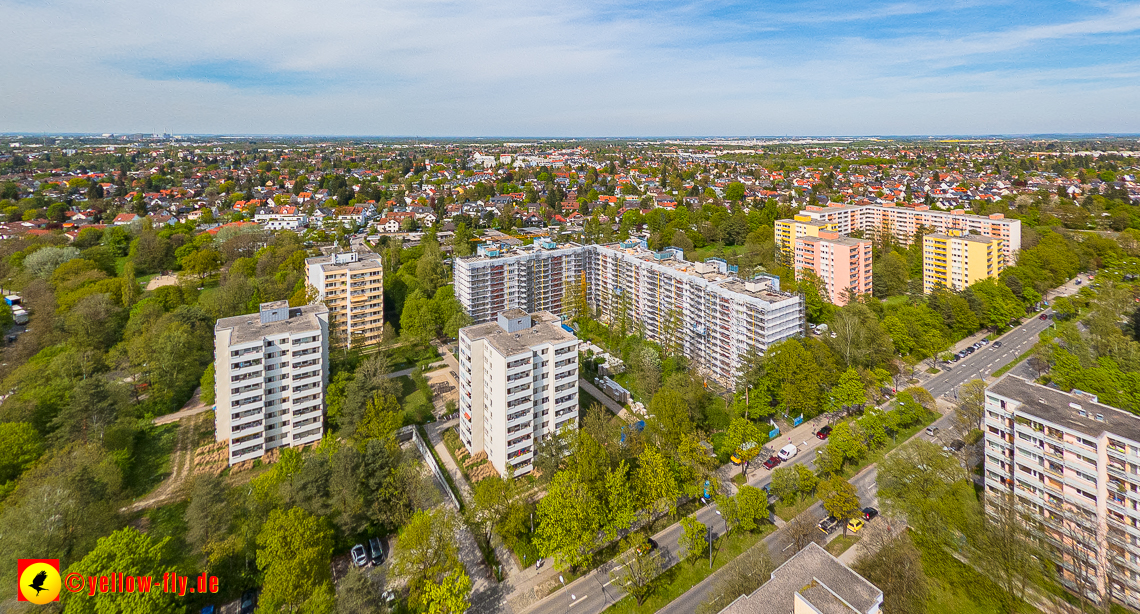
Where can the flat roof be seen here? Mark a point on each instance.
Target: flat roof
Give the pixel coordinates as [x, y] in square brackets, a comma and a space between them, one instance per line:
[843, 240]
[1053, 406]
[248, 327]
[966, 237]
[326, 262]
[546, 328]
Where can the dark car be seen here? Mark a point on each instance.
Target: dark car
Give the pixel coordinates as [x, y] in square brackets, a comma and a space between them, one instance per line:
[648, 546]
[376, 549]
[359, 555]
[970, 350]
[869, 513]
[1043, 316]
[956, 445]
[772, 462]
[823, 432]
[248, 602]
[827, 525]
[997, 344]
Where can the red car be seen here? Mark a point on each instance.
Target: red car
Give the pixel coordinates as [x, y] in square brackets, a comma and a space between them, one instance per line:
[772, 462]
[1043, 316]
[823, 432]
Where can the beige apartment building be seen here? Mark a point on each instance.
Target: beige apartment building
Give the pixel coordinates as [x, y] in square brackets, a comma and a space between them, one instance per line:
[955, 261]
[1073, 465]
[353, 289]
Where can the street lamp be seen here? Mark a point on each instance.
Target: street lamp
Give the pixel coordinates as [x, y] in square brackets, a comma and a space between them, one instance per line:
[709, 537]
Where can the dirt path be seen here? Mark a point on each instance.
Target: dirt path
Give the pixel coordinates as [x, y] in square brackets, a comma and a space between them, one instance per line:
[181, 465]
[192, 407]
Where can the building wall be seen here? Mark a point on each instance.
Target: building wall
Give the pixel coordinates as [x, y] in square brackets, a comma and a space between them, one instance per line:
[841, 265]
[354, 293]
[269, 392]
[957, 262]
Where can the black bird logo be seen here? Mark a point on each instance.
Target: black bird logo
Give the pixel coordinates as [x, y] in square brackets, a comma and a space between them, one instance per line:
[38, 582]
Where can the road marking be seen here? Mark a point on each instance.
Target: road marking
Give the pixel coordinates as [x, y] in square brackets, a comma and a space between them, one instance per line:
[574, 602]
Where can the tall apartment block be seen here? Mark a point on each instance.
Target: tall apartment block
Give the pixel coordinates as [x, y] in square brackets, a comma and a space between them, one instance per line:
[518, 383]
[270, 373]
[700, 309]
[901, 222]
[353, 289]
[790, 231]
[843, 264]
[954, 261]
[1074, 465]
[538, 277]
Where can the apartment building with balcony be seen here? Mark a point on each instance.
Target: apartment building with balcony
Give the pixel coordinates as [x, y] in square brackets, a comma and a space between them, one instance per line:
[700, 309]
[352, 287]
[518, 383]
[538, 277]
[903, 222]
[954, 261]
[843, 264]
[787, 232]
[270, 373]
[1073, 464]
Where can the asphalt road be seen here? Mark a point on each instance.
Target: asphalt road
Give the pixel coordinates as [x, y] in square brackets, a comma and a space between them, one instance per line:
[983, 362]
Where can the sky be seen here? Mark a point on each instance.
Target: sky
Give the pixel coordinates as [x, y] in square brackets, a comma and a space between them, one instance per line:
[570, 68]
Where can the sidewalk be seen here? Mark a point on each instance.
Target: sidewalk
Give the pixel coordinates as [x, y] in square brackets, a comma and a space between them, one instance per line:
[605, 399]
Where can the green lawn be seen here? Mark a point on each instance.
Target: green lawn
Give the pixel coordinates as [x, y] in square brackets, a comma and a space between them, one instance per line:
[151, 459]
[955, 588]
[840, 544]
[685, 575]
[1002, 371]
[787, 512]
[408, 356]
[417, 407]
[714, 250]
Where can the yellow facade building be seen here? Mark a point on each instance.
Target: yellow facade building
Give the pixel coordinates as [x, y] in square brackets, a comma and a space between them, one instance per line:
[955, 261]
[787, 231]
[353, 289]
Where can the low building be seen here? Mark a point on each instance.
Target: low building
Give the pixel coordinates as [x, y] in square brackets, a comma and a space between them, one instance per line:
[518, 384]
[270, 373]
[811, 582]
[955, 261]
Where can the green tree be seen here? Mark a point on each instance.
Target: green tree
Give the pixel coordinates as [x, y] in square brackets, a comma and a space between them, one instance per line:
[892, 563]
[206, 383]
[450, 594]
[294, 548]
[491, 503]
[694, 538]
[203, 262]
[919, 481]
[129, 552]
[840, 499]
[621, 506]
[356, 594]
[569, 519]
[785, 484]
[971, 405]
[851, 391]
[657, 489]
[382, 417]
[20, 446]
[734, 191]
[130, 285]
[844, 444]
[890, 276]
[807, 479]
[642, 566]
[752, 507]
[427, 552]
[208, 514]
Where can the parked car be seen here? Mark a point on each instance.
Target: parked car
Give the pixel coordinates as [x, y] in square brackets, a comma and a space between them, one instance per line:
[648, 546]
[248, 602]
[772, 462]
[376, 549]
[932, 430]
[824, 432]
[956, 445]
[855, 524]
[827, 525]
[1043, 316]
[359, 556]
[869, 513]
[788, 451]
[984, 341]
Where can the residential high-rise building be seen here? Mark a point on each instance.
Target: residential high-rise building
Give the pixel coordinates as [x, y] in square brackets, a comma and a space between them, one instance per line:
[538, 277]
[902, 223]
[353, 289]
[789, 231]
[843, 264]
[270, 373]
[699, 309]
[1072, 464]
[954, 261]
[518, 383]
[812, 581]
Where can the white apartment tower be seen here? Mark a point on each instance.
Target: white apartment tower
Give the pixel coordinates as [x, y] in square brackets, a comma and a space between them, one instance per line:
[533, 278]
[518, 383]
[270, 373]
[353, 289]
[1073, 464]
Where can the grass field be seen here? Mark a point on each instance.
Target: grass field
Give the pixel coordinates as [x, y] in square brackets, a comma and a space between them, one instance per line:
[840, 544]
[153, 447]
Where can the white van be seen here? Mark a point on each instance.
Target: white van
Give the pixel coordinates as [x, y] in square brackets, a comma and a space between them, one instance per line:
[787, 451]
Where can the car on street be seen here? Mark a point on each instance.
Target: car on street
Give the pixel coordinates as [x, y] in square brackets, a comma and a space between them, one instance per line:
[997, 344]
[1043, 316]
[823, 432]
[788, 451]
[869, 513]
[956, 445]
[648, 546]
[932, 430]
[855, 524]
[359, 556]
[772, 462]
[827, 525]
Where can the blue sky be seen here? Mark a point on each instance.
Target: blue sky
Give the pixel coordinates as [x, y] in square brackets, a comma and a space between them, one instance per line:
[570, 68]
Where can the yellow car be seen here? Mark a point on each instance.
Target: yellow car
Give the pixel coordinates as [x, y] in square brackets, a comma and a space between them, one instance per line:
[735, 459]
[855, 524]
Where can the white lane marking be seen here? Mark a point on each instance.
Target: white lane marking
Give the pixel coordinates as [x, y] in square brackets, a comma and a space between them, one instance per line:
[576, 601]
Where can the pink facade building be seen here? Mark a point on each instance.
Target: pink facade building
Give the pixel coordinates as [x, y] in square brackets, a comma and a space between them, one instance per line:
[842, 263]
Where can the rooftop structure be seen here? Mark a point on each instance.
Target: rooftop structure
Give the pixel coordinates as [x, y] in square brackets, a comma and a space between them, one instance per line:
[813, 581]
